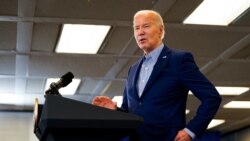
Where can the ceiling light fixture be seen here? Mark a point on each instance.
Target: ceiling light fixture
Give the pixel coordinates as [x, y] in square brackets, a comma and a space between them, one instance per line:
[187, 111]
[238, 104]
[230, 90]
[118, 100]
[215, 122]
[217, 12]
[16, 99]
[80, 38]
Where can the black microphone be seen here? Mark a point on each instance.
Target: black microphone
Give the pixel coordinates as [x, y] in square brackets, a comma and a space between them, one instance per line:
[64, 81]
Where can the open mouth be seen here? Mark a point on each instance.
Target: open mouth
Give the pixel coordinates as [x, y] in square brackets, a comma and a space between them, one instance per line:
[142, 40]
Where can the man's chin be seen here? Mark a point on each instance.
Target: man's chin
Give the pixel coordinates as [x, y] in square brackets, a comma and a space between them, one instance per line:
[144, 48]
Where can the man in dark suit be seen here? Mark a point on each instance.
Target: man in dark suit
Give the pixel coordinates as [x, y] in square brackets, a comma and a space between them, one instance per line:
[157, 87]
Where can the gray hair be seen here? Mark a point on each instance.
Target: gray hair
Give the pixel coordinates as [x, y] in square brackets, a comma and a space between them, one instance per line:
[158, 18]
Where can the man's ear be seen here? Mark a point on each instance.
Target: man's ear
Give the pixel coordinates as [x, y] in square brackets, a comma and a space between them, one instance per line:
[161, 31]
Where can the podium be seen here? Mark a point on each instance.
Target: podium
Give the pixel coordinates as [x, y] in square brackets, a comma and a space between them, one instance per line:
[64, 119]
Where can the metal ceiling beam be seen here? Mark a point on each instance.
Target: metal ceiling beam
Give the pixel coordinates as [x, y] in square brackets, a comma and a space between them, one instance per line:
[226, 54]
[37, 53]
[102, 86]
[120, 23]
[26, 8]
[115, 56]
[24, 38]
[235, 125]
[162, 6]
[64, 20]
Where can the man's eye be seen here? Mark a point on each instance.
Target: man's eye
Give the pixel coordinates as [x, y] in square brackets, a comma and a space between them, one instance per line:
[136, 28]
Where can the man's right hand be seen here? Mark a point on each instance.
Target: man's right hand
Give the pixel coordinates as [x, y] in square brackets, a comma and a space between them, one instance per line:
[104, 101]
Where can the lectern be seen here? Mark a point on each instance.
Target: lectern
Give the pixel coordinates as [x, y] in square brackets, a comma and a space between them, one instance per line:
[64, 119]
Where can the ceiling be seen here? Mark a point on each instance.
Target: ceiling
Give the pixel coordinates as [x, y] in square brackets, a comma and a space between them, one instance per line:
[29, 31]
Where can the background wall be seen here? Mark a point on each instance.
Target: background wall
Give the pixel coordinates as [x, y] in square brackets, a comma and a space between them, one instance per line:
[16, 126]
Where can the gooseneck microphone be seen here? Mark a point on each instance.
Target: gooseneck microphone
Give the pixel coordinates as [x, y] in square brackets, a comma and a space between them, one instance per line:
[63, 82]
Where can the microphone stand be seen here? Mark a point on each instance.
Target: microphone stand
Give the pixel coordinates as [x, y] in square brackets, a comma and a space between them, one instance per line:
[53, 90]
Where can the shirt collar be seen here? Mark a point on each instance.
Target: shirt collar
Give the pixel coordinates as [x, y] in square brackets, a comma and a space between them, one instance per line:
[155, 53]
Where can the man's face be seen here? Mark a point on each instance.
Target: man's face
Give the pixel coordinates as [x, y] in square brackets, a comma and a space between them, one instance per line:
[147, 32]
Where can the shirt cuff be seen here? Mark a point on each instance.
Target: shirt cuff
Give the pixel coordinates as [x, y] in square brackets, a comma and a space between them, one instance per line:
[190, 133]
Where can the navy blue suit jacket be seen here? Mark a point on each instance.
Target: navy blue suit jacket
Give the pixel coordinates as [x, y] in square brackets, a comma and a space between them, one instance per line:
[163, 101]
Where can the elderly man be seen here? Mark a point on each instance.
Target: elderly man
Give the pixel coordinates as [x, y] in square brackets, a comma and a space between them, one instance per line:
[157, 87]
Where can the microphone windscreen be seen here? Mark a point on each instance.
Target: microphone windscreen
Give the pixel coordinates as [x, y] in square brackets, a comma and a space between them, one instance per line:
[67, 78]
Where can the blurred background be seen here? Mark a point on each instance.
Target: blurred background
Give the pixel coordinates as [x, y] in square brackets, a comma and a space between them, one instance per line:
[41, 40]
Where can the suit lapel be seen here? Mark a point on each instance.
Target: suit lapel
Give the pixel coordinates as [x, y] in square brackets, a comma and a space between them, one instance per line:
[135, 76]
[159, 65]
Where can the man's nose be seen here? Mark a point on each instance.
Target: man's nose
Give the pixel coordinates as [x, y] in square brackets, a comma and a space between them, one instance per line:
[141, 31]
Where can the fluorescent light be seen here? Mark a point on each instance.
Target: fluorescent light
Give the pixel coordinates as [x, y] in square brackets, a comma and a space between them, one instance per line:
[70, 89]
[215, 122]
[20, 99]
[187, 111]
[76, 38]
[217, 12]
[230, 90]
[238, 104]
[16, 99]
[118, 100]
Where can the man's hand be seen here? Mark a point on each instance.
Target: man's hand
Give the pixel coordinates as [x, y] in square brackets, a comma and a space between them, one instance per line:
[182, 136]
[104, 101]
